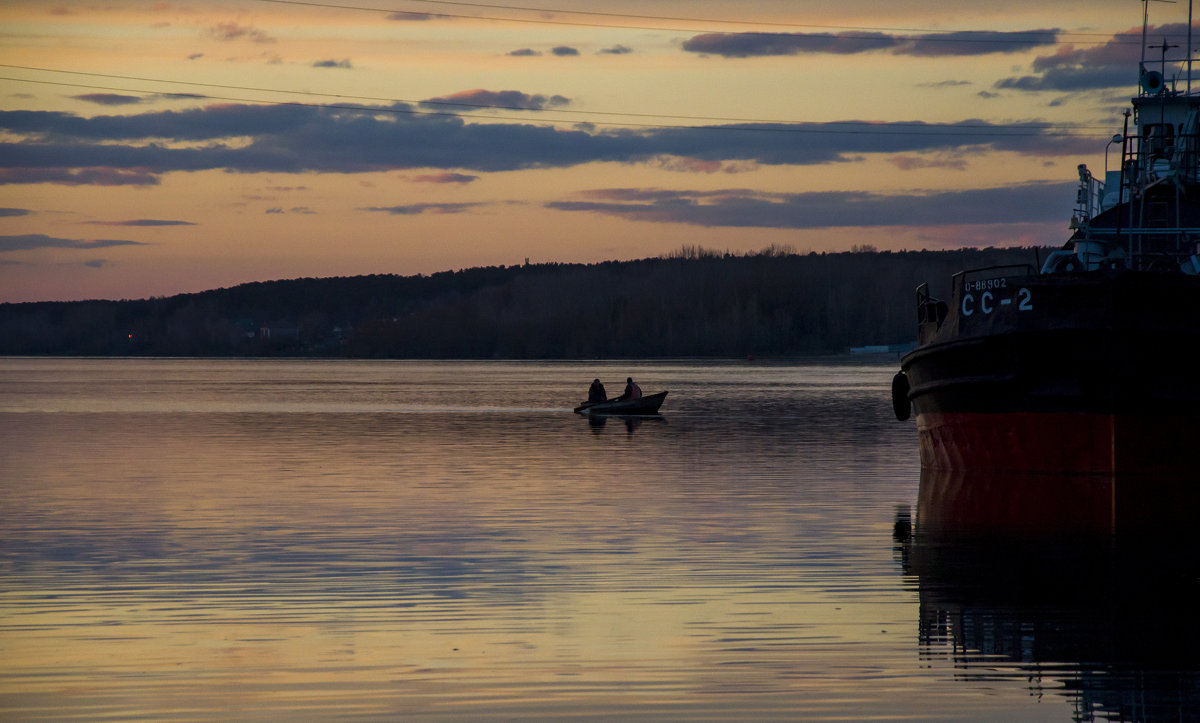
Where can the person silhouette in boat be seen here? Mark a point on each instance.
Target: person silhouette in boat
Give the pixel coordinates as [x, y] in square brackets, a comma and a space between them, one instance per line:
[596, 392]
[632, 391]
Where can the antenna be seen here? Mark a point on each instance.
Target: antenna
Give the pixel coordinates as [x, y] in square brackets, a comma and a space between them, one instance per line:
[1164, 48]
[1145, 22]
[1145, 19]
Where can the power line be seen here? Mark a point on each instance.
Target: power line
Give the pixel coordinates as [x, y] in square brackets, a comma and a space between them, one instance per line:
[434, 102]
[761, 125]
[932, 37]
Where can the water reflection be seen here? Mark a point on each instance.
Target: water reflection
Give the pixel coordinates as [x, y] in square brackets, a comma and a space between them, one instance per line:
[632, 422]
[217, 540]
[1053, 580]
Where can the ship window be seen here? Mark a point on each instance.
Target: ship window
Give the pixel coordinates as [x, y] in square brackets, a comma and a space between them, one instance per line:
[1157, 214]
[1159, 138]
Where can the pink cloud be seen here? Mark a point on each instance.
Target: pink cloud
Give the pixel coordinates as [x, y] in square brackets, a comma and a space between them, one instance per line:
[913, 163]
[234, 31]
[461, 178]
[79, 177]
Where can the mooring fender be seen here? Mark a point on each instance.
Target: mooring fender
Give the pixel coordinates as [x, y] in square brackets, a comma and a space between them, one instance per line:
[900, 404]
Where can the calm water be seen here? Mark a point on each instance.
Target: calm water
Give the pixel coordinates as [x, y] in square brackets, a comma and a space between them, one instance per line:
[300, 540]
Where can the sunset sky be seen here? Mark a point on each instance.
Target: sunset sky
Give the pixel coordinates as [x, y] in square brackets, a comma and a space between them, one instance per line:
[152, 148]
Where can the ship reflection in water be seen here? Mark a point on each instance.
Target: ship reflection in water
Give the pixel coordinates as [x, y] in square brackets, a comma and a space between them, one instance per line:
[1050, 579]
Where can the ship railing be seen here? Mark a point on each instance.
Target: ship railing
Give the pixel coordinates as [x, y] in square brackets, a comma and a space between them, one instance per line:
[929, 310]
[1186, 233]
[1088, 197]
[1163, 260]
[1145, 247]
[1151, 159]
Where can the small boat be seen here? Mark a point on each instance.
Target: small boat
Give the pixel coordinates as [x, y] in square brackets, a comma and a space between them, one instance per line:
[648, 404]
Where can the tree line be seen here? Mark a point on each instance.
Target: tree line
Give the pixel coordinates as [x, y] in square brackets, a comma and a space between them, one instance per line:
[692, 302]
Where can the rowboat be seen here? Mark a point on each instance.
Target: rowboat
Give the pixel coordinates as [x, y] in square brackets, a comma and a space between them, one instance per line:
[645, 405]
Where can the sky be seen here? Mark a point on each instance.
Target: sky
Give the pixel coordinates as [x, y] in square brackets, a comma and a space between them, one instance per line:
[155, 148]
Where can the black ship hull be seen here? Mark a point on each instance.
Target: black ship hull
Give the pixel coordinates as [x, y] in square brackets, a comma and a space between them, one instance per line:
[1091, 372]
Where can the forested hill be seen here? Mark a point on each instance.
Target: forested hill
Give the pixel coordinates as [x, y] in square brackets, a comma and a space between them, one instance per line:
[691, 303]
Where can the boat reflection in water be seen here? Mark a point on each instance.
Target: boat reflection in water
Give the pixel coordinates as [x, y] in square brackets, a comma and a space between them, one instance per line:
[1063, 583]
[631, 421]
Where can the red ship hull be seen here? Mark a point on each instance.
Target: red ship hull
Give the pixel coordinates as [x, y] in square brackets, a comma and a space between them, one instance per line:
[961, 504]
[1056, 442]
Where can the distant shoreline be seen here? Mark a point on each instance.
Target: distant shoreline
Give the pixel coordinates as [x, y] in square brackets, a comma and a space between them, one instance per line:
[695, 305]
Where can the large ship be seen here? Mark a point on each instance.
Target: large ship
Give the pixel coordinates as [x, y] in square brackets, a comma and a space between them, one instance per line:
[1086, 361]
